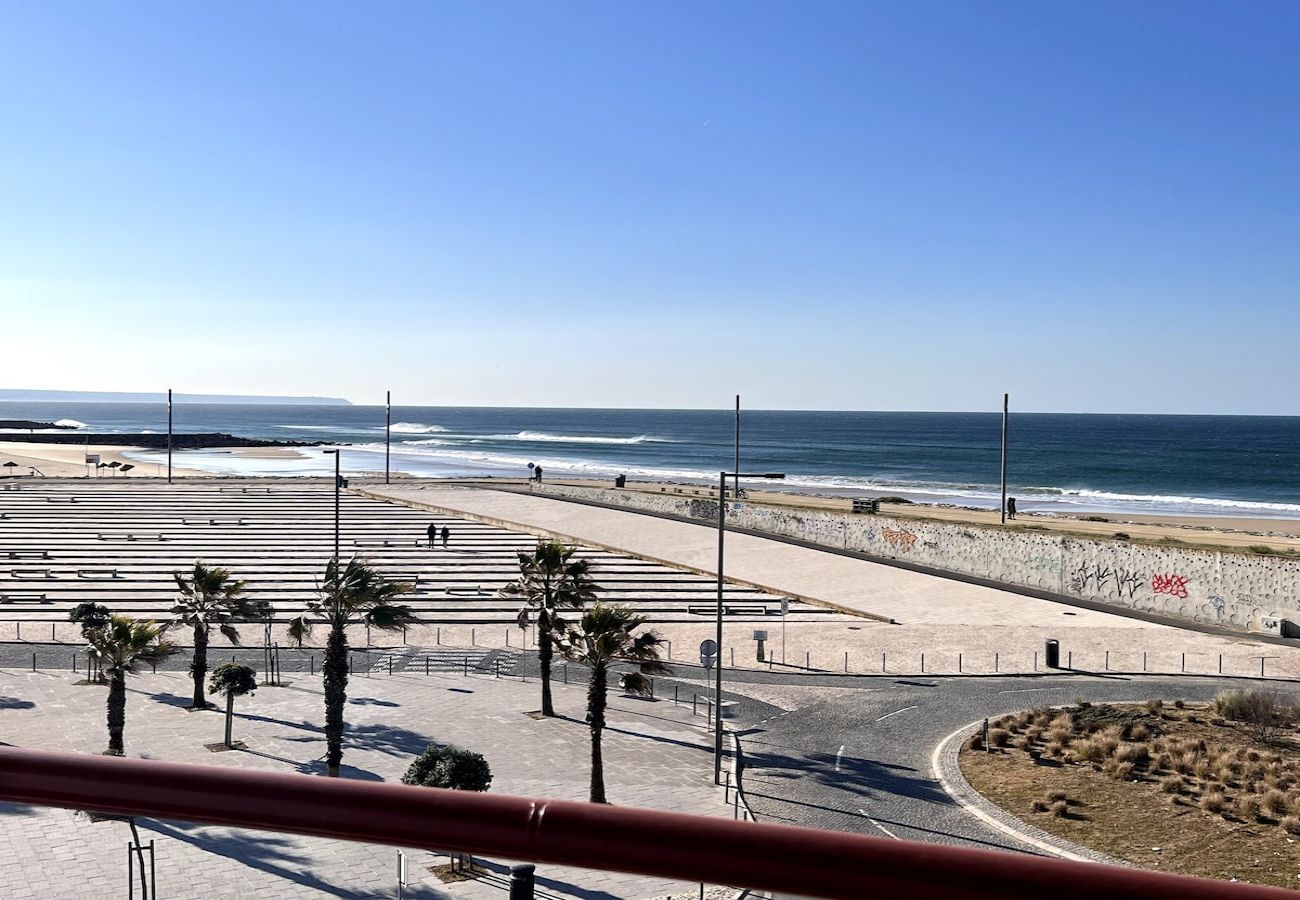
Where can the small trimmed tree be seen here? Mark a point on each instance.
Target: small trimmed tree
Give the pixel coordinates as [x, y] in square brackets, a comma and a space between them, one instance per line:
[444, 766]
[90, 616]
[233, 680]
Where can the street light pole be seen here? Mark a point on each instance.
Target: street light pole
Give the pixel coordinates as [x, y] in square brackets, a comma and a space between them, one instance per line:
[1006, 400]
[736, 486]
[169, 435]
[717, 674]
[338, 484]
[388, 438]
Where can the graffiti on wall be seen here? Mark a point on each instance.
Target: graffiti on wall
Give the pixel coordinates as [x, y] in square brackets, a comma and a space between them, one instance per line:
[898, 538]
[1173, 585]
[1099, 579]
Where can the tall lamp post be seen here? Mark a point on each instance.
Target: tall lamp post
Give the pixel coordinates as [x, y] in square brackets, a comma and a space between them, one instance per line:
[169, 435]
[339, 484]
[388, 438]
[1006, 405]
[717, 674]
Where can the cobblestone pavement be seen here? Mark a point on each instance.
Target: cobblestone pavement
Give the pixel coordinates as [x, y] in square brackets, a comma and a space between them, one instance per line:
[655, 756]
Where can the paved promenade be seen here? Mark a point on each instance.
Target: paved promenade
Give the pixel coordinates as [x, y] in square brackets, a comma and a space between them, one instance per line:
[945, 626]
[655, 756]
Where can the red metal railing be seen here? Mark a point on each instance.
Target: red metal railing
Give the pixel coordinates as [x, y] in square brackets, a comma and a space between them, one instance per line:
[671, 845]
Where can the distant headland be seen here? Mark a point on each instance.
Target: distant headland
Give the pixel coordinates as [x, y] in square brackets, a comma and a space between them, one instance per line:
[15, 395]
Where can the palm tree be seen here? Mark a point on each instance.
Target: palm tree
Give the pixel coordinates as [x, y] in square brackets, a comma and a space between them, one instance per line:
[353, 594]
[604, 637]
[122, 645]
[550, 580]
[209, 596]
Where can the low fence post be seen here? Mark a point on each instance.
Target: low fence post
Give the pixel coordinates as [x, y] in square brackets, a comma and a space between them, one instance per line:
[846, 662]
[1107, 660]
[1183, 664]
[995, 661]
[959, 663]
[34, 661]
[311, 663]
[923, 663]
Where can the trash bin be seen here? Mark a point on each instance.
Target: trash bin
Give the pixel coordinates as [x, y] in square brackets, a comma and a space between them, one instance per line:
[1052, 654]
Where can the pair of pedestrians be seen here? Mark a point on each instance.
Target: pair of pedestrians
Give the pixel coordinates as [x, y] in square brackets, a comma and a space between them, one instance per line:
[434, 534]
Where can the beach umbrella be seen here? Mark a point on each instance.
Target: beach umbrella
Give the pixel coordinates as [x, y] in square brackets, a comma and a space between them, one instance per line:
[126, 467]
[10, 466]
[114, 465]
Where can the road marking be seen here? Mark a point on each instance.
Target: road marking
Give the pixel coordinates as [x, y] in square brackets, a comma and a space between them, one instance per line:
[838, 754]
[863, 813]
[1029, 691]
[894, 713]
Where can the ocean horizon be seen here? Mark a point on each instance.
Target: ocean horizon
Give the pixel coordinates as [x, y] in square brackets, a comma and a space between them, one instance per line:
[1057, 462]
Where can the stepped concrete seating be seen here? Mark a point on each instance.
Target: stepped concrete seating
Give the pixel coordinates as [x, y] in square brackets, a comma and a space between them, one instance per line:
[120, 544]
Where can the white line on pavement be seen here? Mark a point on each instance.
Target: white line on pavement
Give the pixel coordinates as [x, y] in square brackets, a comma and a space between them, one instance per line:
[1029, 690]
[878, 825]
[837, 757]
[894, 713]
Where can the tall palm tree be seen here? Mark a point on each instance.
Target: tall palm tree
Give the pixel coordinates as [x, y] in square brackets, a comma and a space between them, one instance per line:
[550, 581]
[123, 644]
[603, 638]
[209, 596]
[351, 594]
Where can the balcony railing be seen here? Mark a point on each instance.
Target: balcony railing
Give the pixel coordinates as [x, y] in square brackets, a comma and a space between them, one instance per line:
[671, 845]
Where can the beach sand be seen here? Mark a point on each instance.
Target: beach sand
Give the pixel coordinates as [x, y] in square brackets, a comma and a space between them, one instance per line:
[1208, 531]
[69, 459]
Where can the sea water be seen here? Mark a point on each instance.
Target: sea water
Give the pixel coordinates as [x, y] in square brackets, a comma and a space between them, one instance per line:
[1225, 465]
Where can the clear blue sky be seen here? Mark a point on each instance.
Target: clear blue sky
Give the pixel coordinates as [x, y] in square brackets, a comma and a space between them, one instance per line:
[913, 205]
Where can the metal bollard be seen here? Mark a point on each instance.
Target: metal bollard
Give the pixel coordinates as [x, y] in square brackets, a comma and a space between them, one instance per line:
[1220, 663]
[1144, 660]
[882, 663]
[507, 637]
[426, 665]
[695, 704]
[1107, 660]
[670, 649]
[439, 635]
[466, 672]
[1069, 659]
[496, 666]
[726, 788]
[1183, 665]
[74, 663]
[675, 695]
[311, 663]
[390, 665]
[20, 630]
[959, 663]
[995, 661]
[33, 662]
[733, 657]
[923, 663]
[1035, 660]
[52, 631]
[471, 637]
[521, 882]
[566, 674]
[846, 662]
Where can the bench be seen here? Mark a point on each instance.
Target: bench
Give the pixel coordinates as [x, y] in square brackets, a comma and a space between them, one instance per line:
[60, 499]
[29, 554]
[212, 521]
[31, 573]
[728, 610]
[23, 598]
[96, 573]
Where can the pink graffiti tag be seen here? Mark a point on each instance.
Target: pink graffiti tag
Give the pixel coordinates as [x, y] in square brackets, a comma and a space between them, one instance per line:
[903, 540]
[1174, 585]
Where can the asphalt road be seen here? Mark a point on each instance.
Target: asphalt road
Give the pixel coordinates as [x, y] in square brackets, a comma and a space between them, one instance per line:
[860, 761]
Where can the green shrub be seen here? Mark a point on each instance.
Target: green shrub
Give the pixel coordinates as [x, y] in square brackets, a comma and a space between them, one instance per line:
[1213, 801]
[998, 737]
[444, 766]
[1171, 784]
[235, 679]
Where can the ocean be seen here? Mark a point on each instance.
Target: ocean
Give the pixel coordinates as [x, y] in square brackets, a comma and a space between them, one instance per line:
[1067, 463]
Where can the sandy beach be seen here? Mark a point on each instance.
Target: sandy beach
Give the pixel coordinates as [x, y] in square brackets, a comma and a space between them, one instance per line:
[1210, 531]
[69, 460]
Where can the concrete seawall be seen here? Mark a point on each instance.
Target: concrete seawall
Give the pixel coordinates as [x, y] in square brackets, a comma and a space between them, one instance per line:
[1229, 590]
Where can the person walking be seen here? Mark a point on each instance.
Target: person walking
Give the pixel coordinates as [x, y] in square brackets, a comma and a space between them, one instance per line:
[537, 473]
[446, 536]
[1011, 507]
[433, 533]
